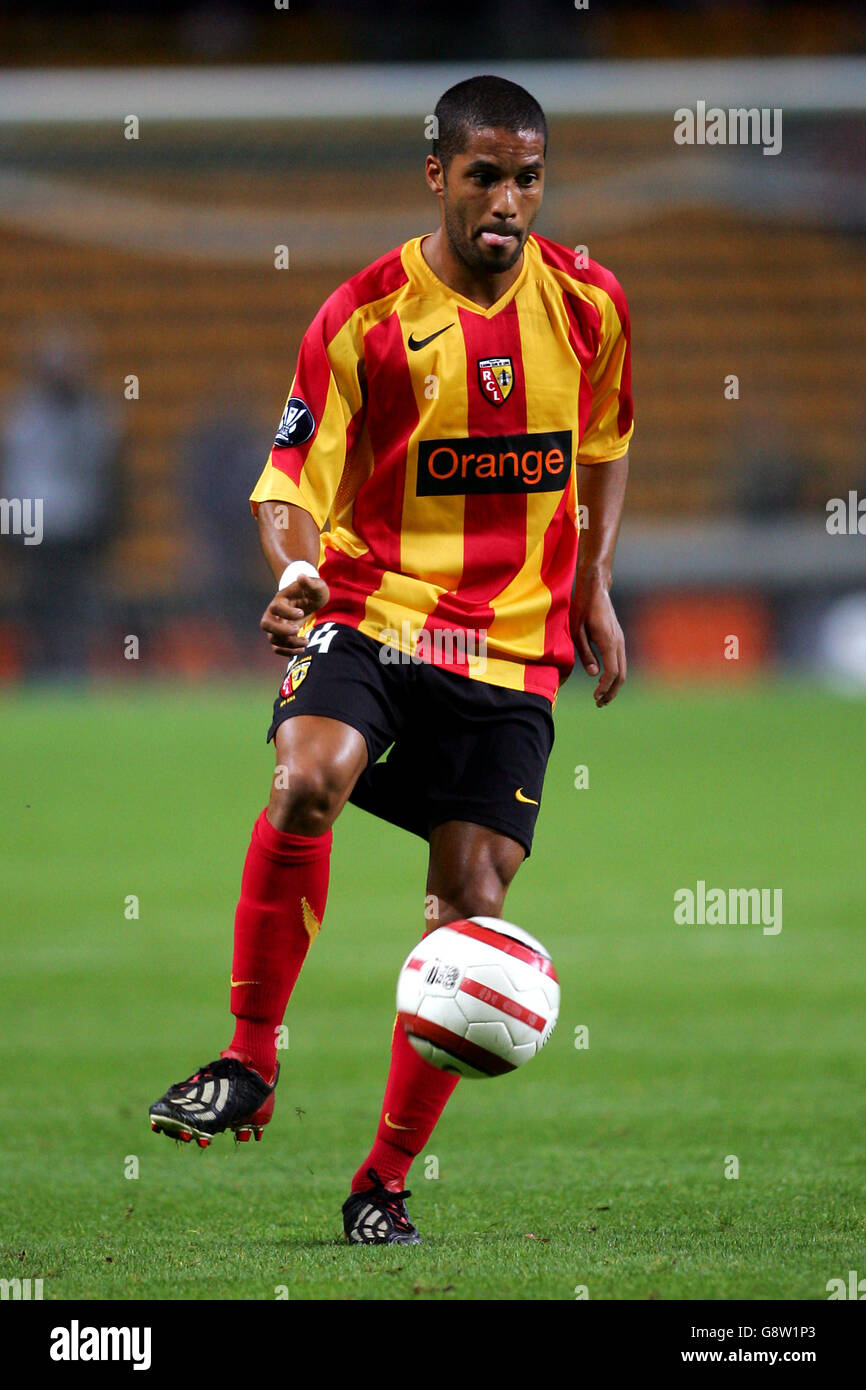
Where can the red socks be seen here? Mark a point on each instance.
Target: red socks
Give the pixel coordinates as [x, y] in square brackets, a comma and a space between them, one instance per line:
[284, 889]
[415, 1097]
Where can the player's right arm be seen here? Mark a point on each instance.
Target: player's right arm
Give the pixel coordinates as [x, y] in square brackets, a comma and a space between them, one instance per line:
[288, 532]
[293, 498]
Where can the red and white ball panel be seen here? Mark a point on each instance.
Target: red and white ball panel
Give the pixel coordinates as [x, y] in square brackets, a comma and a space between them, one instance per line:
[478, 997]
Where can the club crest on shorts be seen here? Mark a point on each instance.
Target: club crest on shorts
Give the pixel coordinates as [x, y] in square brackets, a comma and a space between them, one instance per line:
[495, 378]
[295, 676]
[297, 424]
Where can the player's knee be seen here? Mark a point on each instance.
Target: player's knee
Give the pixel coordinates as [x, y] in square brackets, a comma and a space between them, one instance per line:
[481, 894]
[470, 871]
[305, 801]
[318, 762]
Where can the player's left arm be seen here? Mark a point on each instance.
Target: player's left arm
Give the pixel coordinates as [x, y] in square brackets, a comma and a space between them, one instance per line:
[601, 490]
[602, 472]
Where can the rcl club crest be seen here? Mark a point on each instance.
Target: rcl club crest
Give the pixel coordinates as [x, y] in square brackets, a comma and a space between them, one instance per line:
[294, 676]
[496, 378]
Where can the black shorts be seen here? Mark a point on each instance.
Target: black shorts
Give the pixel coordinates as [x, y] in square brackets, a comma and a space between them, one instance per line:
[460, 749]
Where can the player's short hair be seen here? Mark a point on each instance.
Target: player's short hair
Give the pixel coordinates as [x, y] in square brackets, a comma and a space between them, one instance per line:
[482, 103]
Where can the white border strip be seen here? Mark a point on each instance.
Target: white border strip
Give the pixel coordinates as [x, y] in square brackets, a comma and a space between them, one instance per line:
[576, 88]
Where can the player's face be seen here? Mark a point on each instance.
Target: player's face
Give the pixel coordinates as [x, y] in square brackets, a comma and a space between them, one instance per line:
[491, 194]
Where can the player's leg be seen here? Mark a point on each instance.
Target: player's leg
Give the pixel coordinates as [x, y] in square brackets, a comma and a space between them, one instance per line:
[470, 870]
[331, 716]
[468, 774]
[284, 886]
[284, 889]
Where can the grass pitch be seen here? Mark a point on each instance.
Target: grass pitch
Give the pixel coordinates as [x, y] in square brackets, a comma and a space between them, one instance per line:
[711, 1049]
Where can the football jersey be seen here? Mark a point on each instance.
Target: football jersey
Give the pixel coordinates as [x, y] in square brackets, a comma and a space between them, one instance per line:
[436, 441]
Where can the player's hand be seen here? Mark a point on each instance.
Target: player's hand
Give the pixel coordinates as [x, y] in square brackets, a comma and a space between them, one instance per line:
[593, 620]
[289, 609]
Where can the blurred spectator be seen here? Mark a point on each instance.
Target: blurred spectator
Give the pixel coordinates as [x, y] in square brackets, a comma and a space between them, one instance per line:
[222, 455]
[60, 455]
[765, 472]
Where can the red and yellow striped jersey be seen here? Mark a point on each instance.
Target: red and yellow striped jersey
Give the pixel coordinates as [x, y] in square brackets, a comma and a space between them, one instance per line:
[438, 441]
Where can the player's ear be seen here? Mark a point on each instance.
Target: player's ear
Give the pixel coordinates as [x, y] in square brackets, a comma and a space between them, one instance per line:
[434, 173]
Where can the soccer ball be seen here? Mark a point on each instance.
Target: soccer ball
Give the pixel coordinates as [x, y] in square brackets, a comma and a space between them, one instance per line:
[478, 997]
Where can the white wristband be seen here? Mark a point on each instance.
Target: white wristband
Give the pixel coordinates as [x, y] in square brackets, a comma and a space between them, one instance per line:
[295, 568]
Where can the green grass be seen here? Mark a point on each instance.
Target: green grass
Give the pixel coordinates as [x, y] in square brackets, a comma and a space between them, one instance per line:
[602, 1167]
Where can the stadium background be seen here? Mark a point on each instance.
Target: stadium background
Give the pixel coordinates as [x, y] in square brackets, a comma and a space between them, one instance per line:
[153, 258]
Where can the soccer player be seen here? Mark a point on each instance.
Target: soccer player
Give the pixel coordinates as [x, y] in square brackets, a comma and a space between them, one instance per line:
[450, 404]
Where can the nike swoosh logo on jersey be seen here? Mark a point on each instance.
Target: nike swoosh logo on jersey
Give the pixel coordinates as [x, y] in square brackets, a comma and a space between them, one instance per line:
[415, 343]
[391, 1125]
[235, 982]
[518, 796]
